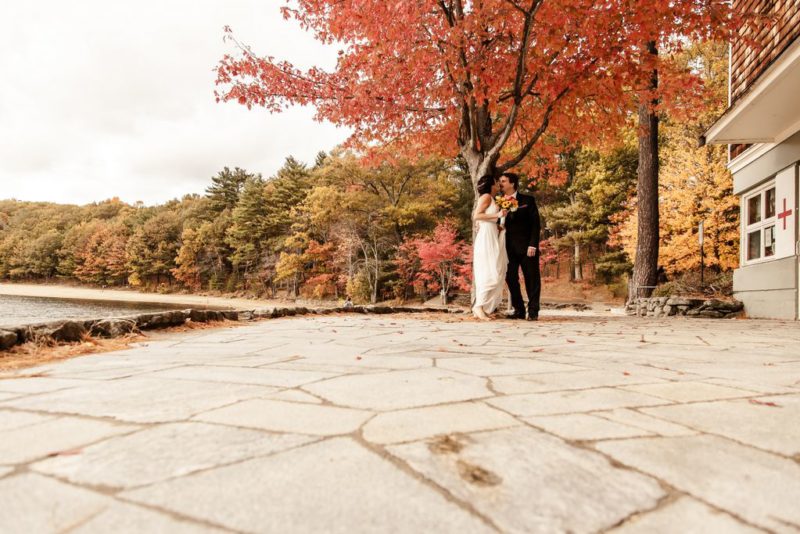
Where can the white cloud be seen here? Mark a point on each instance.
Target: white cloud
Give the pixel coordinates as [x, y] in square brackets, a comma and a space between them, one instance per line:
[101, 99]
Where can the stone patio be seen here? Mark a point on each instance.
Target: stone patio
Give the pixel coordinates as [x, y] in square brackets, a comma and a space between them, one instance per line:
[408, 424]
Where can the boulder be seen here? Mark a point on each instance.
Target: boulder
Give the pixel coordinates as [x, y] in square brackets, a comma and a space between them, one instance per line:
[149, 321]
[198, 316]
[230, 315]
[722, 305]
[214, 315]
[113, 327]
[7, 339]
[64, 331]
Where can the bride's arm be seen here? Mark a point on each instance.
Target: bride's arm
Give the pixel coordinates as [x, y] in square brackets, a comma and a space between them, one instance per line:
[480, 210]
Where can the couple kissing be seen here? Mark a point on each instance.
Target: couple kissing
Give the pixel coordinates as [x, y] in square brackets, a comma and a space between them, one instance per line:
[507, 240]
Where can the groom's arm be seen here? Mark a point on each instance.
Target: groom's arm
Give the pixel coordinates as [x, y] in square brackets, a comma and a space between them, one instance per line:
[535, 225]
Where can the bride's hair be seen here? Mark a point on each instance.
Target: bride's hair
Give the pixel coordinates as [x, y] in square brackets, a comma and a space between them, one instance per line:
[485, 184]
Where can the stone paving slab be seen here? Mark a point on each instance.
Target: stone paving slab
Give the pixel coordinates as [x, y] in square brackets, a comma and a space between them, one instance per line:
[401, 389]
[645, 422]
[770, 423]
[140, 400]
[689, 391]
[758, 486]
[586, 400]
[551, 487]
[234, 375]
[164, 452]
[63, 435]
[39, 385]
[33, 503]
[409, 424]
[687, 516]
[324, 487]
[421, 423]
[281, 416]
[6, 396]
[584, 427]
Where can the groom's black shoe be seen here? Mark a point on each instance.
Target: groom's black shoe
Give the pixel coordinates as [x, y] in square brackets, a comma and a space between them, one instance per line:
[514, 315]
[533, 315]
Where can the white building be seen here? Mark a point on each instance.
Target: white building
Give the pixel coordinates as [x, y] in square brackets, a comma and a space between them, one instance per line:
[762, 125]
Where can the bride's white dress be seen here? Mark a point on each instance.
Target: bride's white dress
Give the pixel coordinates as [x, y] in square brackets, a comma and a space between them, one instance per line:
[489, 263]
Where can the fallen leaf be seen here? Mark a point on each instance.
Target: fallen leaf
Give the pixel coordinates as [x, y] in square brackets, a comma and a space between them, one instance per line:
[626, 373]
[358, 357]
[68, 452]
[570, 341]
[537, 350]
[765, 403]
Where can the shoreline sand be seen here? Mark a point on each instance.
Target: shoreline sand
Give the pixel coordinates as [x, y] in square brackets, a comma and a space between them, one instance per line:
[56, 291]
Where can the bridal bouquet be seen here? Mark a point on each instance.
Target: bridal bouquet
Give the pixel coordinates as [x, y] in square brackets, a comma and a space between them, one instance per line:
[508, 203]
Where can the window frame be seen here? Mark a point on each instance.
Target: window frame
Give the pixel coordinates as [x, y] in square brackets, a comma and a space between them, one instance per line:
[759, 226]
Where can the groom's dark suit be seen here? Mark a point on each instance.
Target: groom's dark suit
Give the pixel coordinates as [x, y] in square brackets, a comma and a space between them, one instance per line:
[522, 231]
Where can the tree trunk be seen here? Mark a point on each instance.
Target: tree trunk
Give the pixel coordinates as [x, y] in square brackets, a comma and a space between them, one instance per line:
[577, 260]
[645, 267]
[374, 297]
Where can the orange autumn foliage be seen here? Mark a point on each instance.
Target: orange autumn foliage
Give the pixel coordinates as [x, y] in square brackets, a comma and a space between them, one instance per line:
[487, 79]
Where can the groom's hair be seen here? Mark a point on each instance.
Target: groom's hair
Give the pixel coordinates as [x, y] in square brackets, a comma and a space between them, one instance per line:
[513, 178]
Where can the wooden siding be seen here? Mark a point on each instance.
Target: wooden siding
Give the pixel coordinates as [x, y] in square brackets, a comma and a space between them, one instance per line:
[761, 43]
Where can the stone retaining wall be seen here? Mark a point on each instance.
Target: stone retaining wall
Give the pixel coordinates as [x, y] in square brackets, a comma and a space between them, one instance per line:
[682, 306]
[74, 330]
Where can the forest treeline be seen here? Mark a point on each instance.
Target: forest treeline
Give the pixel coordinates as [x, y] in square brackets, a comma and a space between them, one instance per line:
[337, 226]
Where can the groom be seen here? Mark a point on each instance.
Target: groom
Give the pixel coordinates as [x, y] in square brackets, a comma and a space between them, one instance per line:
[522, 245]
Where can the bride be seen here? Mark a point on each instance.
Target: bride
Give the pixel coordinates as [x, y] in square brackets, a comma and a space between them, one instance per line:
[490, 260]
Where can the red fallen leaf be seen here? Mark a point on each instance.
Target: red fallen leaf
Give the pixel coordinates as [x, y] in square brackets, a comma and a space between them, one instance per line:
[765, 403]
[358, 357]
[626, 373]
[537, 350]
[570, 341]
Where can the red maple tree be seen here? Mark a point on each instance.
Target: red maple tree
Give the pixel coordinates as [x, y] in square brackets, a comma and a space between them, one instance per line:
[487, 77]
[444, 260]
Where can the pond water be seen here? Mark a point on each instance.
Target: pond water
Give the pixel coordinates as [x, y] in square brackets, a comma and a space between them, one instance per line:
[25, 310]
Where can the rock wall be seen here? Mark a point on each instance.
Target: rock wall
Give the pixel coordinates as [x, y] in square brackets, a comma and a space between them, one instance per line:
[75, 330]
[683, 306]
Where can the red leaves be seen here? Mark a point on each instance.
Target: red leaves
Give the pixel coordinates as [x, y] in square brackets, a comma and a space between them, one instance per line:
[414, 71]
[439, 262]
[765, 403]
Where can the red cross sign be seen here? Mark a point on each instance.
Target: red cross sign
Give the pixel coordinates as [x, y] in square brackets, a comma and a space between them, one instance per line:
[784, 214]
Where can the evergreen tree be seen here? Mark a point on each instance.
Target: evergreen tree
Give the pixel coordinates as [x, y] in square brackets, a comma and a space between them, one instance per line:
[225, 188]
[247, 234]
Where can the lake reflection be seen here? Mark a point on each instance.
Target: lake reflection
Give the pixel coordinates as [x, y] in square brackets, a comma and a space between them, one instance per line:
[25, 310]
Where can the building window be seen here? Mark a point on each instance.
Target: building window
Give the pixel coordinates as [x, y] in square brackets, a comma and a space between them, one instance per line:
[760, 228]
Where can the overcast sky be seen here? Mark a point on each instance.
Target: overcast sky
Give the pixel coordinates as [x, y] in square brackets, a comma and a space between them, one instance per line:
[101, 99]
